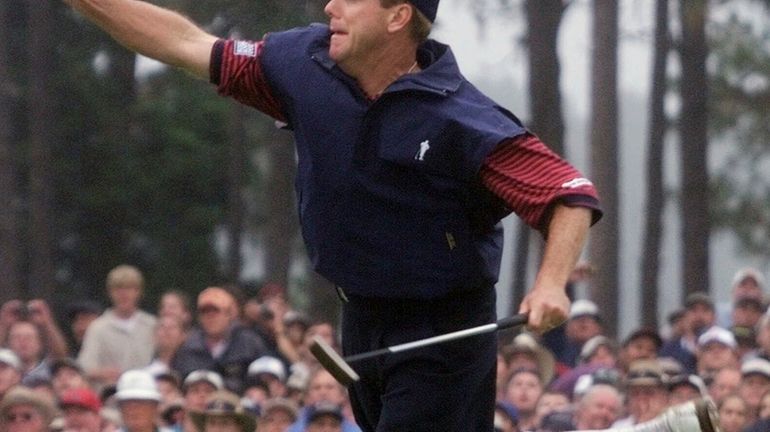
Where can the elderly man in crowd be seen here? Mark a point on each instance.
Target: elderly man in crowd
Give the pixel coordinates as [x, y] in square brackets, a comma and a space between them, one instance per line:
[599, 408]
[220, 343]
[717, 350]
[755, 382]
[23, 410]
[122, 337]
[138, 400]
[647, 394]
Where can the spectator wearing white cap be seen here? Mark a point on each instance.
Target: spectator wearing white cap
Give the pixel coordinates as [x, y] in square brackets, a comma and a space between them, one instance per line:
[198, 386]
[272, 372]
[755, 382]
[583, 323]
[138, 400]
[748, 282]
[10, 370]
[717, 350]
[322, 387]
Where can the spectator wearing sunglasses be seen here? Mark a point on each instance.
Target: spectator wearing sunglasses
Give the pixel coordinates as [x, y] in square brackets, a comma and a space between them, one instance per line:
[220, 343]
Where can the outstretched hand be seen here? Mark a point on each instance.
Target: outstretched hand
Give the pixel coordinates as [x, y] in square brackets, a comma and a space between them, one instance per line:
[548, 307]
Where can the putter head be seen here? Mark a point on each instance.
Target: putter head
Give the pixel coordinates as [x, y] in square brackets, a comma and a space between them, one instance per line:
[332, 362]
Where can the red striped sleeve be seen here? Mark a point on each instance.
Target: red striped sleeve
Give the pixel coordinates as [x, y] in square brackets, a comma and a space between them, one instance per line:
[530, 179]
[237, 72]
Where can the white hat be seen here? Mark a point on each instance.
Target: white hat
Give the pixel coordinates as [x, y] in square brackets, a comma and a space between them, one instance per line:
[10, 358]
[583, 308]
[746, 273]
[137, 384]
[269, 365]
[718, 334]
[756, 366]
[203, 375]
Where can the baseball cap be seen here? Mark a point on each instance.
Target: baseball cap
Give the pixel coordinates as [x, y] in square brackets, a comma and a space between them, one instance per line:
[756, 366]
[749, 273]
[642, 333]
[699, 297]
[280, 404]
[719, 335]
[216, 297]
[137, 384]
[268, 365]
[321, 409]
[82, 397]
[644, 373]
[690, 380]
[589, 348]
[203, 375]
[427, 7]
[583, 307]
[10, 358]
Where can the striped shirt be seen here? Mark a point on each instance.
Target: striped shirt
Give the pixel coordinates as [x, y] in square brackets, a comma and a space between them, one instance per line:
[523, 172]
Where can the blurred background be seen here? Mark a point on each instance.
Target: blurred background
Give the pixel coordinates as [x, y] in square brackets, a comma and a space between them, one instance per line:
[108, 158]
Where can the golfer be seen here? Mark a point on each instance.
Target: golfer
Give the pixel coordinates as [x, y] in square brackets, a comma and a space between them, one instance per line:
[404, 171]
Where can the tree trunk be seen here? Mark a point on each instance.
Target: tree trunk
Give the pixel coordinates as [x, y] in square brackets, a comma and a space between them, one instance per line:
[655, 190]
[10, 282]
[694, 138]
[282, 224]
[544, 18]
[41, 141]
[236, 175]
[604, 159]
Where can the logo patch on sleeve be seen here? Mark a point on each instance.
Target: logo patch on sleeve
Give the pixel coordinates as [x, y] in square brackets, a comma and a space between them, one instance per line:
[247, 49]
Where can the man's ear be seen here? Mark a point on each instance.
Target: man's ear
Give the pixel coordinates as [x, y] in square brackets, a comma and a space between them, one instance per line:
[400, 17]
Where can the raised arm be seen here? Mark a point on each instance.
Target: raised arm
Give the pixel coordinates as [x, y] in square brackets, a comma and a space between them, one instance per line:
[152, 31]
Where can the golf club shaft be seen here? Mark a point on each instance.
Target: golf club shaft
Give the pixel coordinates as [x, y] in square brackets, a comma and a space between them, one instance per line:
[503, 323]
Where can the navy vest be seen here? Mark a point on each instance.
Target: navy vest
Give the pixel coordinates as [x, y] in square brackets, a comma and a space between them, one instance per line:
[389, 198]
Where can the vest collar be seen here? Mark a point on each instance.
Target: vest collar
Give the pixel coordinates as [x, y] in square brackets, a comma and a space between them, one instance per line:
[440, 73]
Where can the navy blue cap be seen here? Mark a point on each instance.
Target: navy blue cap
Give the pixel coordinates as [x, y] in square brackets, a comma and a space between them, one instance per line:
[427, 7]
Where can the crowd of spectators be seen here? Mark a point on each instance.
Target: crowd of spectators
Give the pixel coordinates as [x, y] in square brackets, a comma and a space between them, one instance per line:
[213, 363]
[220, 363]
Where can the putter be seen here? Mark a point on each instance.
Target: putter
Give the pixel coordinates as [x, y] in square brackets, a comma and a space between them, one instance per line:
[340, 368]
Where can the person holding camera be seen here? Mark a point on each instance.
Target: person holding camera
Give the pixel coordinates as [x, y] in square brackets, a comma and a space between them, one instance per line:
[31, 332]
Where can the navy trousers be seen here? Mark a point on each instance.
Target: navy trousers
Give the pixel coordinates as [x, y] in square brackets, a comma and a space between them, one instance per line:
[445, 387]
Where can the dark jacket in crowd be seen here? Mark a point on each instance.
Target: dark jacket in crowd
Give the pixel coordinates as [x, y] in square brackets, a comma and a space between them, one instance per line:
[243, 346]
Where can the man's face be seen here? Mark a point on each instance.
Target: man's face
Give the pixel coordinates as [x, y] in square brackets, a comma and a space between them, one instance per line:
[358, 27]
[276, 420]
[222, 424]
[523, 391]
[646, 402]
[325, 423]
[640, 349]
[726, 382]
[125, 297]
[196, 395]
[67, 378]
[24, 340]
[9, 377]
[324, 388]
[138, 414]
[599, 411]
[701, 316]
[23, 418]
[715, 356]
[582, 328]
[752, 387]
[79, 419]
